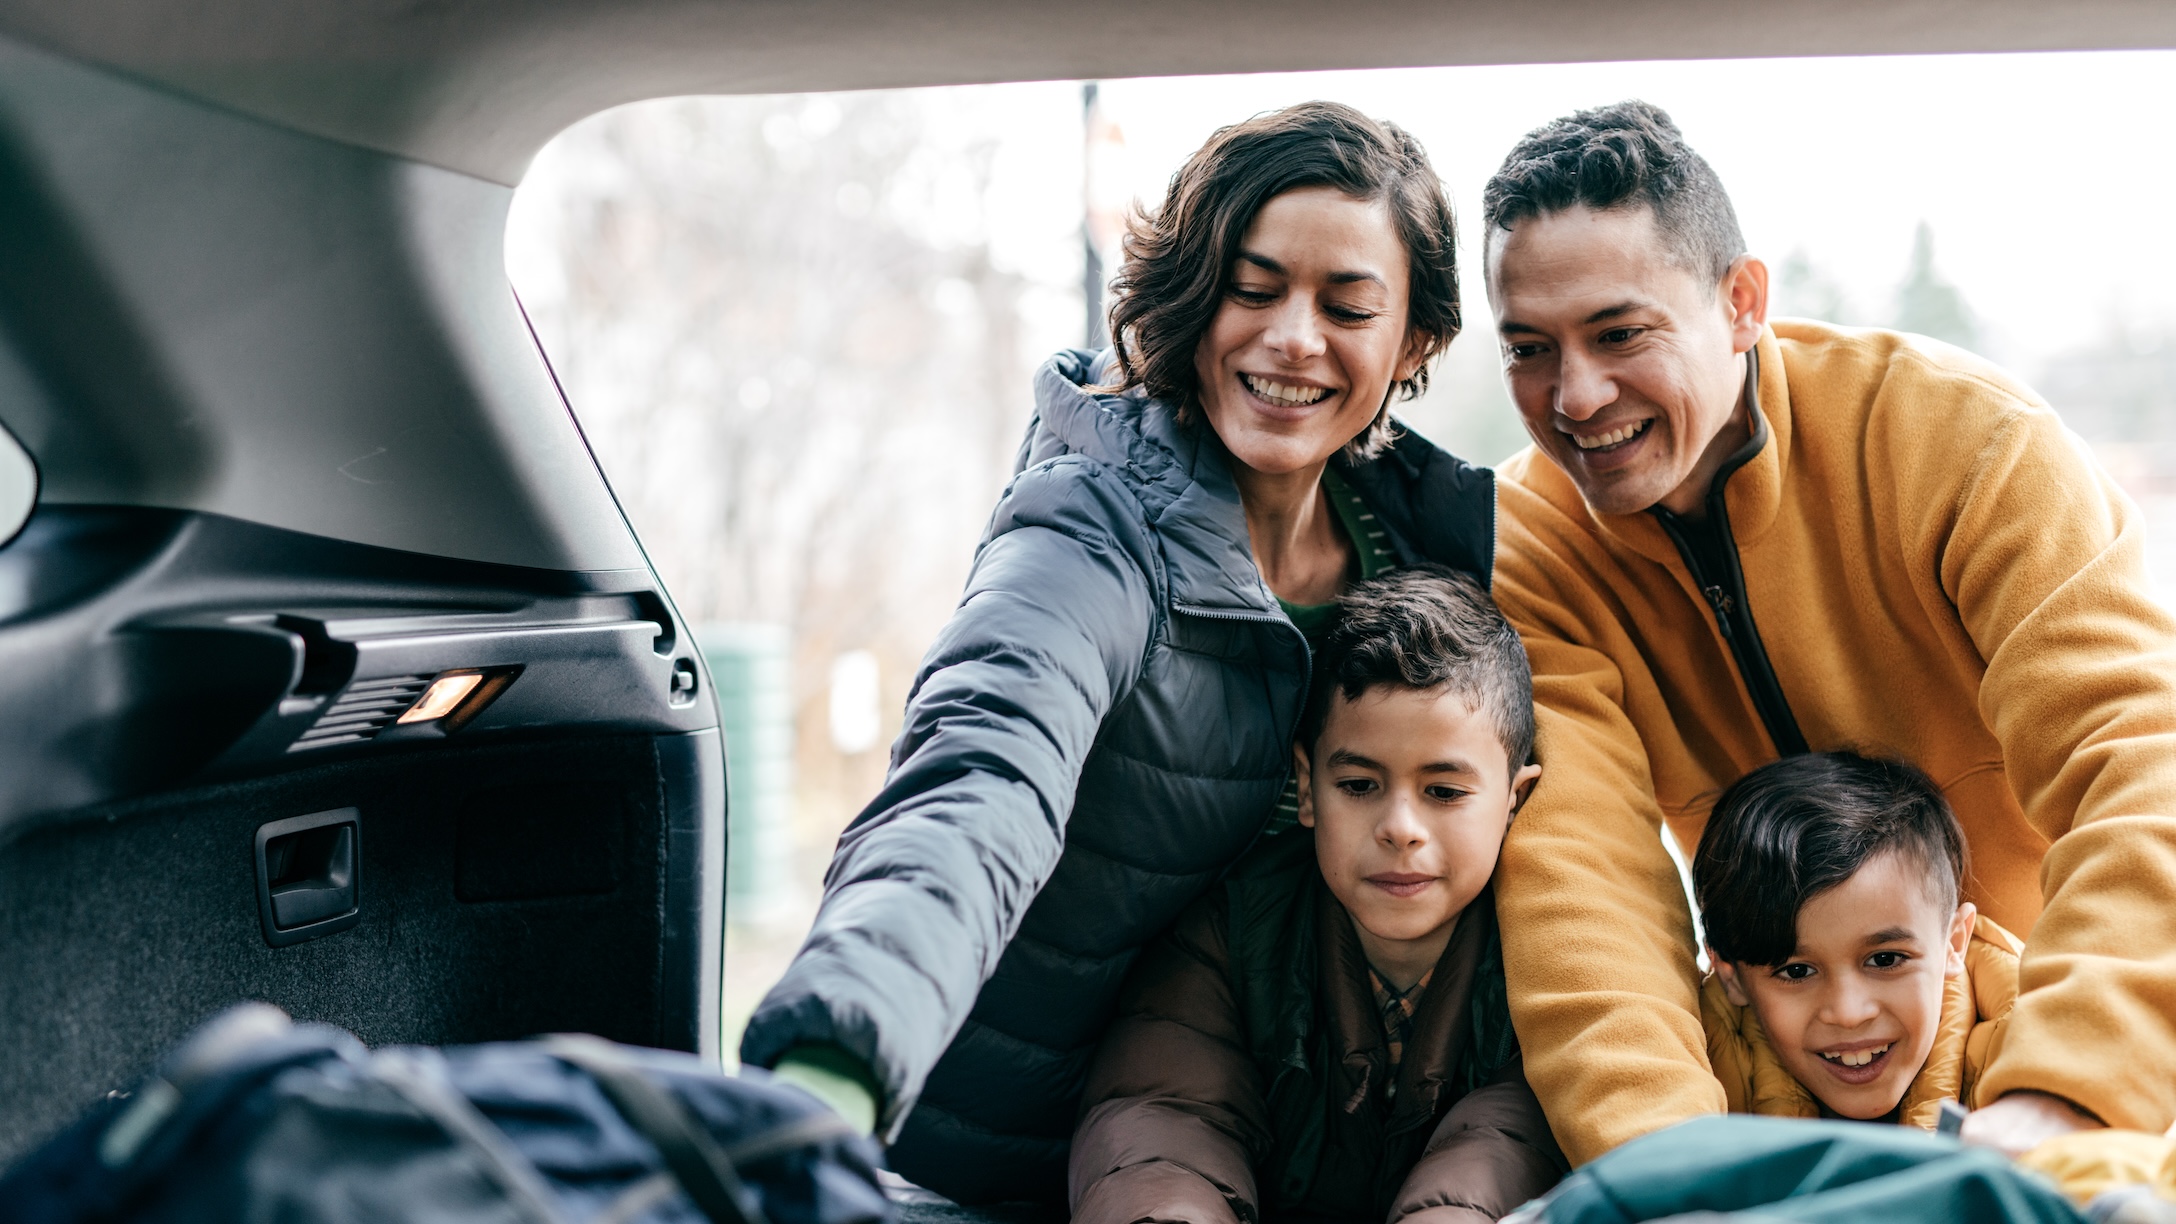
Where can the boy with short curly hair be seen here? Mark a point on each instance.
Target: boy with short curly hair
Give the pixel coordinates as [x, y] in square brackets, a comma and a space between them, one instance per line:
[1325, 1033]
[1850, 978]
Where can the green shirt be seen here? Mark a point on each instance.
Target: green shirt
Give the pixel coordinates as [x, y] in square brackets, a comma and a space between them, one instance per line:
[1372, 544]
[1369, 540]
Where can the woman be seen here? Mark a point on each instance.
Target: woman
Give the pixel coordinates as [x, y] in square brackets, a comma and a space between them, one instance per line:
[1106, 723]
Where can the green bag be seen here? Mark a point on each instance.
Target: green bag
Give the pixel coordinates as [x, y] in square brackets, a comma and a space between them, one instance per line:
[1749, 1169]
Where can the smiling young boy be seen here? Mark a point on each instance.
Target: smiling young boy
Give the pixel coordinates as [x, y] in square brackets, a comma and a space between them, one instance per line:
[1850, 980]
[1325, 1033]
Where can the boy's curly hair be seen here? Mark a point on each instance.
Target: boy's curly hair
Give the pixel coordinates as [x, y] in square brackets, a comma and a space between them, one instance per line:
[1420, 628]
[1795, 828]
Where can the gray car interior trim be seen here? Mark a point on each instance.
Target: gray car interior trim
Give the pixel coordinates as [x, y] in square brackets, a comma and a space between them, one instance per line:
[214, 313]
[480, 85]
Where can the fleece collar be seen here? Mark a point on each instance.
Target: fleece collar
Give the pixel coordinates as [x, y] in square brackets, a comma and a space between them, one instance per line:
[1752, 492]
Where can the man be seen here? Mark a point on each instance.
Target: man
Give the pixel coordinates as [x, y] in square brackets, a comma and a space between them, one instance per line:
[1731, 543]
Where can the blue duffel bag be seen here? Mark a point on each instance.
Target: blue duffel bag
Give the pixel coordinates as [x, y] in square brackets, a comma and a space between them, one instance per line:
[255, 1117]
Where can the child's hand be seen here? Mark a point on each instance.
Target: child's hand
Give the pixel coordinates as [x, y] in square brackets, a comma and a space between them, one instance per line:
[2022, 1121]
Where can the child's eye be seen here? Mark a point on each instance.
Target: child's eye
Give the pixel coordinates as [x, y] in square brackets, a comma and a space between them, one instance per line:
[1445, 794]
[1356, 786]
[1887, 960]
[1796, 972]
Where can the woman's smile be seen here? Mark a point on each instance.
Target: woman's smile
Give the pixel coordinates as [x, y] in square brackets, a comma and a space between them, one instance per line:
[1287, 394]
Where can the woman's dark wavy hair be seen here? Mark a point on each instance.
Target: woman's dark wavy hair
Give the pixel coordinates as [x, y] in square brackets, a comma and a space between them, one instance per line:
[1178, 259]
[1795, 828]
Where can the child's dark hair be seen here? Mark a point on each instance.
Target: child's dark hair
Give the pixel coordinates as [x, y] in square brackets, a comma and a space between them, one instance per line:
[1795, 828]
[1418, 628]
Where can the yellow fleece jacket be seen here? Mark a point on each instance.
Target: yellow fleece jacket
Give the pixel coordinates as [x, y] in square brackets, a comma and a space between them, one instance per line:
[1975, 1009]
[1939, 572]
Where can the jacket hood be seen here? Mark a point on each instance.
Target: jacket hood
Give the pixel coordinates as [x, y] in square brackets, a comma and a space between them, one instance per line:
[1181, 474]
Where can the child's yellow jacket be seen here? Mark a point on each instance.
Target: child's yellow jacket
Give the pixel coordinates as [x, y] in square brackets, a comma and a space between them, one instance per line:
[1975, 1017]
[1975, 1012]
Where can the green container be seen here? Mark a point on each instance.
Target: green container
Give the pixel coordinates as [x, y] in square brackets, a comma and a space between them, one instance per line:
[750, 671]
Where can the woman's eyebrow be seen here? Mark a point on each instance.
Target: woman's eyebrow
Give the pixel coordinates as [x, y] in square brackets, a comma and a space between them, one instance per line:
[1271, 266]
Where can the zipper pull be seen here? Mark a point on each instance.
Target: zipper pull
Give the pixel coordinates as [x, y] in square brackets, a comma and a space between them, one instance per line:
[1720, 600]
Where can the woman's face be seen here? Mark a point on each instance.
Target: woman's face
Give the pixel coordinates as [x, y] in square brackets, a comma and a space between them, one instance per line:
[1312, 332]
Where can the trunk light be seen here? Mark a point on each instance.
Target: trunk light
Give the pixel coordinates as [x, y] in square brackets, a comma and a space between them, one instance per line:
[445, 693]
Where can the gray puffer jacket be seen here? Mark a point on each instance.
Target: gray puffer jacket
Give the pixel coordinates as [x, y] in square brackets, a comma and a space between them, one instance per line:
[1101, 730]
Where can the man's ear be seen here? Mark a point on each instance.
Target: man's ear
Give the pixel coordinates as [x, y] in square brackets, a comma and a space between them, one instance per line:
[1745, 295]
[1522, 785]
[1960, 935]
[1727, 974]
[1303, 775]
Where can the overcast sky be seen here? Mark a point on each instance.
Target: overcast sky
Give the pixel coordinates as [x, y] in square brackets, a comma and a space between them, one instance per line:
[2046, 178]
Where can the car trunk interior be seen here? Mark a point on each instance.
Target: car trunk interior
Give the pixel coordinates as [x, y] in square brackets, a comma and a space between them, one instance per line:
[303, 478]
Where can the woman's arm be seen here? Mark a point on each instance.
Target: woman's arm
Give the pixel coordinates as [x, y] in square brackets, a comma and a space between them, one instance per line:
[1172, 1115]
[930, 882]
[1491, 1152]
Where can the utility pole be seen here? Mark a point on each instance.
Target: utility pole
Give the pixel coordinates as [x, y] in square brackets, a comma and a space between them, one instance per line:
[1091, 276]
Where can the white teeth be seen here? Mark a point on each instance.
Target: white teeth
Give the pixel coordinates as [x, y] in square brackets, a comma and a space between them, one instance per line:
[1858, 1058]
[1282, 395]
[1611, 438]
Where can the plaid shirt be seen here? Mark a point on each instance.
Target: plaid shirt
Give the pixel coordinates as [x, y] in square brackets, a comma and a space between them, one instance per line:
[1396, 1008]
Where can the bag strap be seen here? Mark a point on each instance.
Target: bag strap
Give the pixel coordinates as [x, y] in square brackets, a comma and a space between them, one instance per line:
[418, 1076]
[701, 1167]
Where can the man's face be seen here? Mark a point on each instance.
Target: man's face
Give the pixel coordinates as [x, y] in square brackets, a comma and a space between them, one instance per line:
[1409, 792]
[1853, 1012]
[1627, 368]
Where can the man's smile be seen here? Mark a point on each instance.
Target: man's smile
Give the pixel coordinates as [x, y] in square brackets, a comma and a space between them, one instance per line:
[1605, 442]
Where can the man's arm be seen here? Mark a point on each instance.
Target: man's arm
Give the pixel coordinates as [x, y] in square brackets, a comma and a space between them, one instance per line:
[2043, 558]
[1598, 943]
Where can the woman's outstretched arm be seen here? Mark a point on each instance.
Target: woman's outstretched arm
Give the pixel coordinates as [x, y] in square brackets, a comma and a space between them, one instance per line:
[931, 881]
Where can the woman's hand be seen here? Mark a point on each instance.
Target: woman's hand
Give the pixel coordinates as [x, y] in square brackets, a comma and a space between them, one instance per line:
[2018, 1122]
